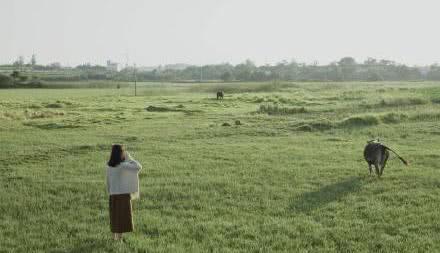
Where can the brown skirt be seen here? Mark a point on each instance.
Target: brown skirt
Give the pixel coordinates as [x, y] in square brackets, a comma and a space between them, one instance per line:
[120, 213]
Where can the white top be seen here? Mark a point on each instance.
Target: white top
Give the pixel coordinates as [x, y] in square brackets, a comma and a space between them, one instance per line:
[124, 178]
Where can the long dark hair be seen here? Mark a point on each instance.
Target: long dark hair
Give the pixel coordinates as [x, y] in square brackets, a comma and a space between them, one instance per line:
[117, 155]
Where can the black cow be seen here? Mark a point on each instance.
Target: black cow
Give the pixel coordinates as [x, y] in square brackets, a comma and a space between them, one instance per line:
[375, 153]
[220, 94]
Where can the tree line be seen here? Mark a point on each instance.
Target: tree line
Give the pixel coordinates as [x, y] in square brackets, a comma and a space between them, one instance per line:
[346, 69]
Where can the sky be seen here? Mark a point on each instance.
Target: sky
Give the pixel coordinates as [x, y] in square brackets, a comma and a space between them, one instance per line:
[149, 32]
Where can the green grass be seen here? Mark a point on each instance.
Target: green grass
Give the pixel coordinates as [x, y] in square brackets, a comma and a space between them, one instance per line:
[287, 181]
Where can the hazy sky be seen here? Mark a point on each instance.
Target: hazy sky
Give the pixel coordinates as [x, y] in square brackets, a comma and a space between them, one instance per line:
[209, 31]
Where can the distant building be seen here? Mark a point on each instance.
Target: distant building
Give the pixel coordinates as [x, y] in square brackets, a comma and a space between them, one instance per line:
[112, 66]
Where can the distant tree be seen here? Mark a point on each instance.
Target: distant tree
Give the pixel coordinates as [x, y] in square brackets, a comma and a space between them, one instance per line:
[226, 76]
[387, 62]
[370, 61]
[373, 76]
[347, 61]
[434, 72]
[15, 74]
[19, 62]
[33, 61]
[333, 72]
[244, 71]
[348, 68]
[343, 70]
[6, 81]
[55, 65]
[22, 78]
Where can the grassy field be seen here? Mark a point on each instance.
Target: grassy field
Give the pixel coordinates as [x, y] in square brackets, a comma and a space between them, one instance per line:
[272, 167]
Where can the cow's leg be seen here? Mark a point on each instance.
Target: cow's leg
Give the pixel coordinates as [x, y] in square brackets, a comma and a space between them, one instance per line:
[370, 168]
[376, 167]
[384, 163]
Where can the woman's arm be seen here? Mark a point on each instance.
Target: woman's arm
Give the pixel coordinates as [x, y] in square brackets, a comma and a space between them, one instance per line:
[131, 164]
[108, 181]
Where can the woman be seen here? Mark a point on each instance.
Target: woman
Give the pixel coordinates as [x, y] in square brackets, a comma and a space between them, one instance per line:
[122, 186]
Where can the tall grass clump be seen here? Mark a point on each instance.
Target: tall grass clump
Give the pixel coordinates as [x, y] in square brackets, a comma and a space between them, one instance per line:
[360, 121]
[10, 115]
[55, 105]
[275, 109]
[426, 116]
[42, 114]
[435, 100]
[357, 121]
[316, 125]
[403, 101]
[392, 118]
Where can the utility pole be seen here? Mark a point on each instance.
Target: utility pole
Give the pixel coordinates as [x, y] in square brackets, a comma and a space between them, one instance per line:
[135, 80]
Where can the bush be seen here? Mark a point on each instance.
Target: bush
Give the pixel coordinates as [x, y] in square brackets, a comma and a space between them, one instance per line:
[6, 81]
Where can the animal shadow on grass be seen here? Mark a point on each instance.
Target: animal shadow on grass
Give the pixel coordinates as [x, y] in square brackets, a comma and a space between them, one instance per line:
[310, 201]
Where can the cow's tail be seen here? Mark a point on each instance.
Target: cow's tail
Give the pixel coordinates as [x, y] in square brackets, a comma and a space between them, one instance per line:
[401, 158]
